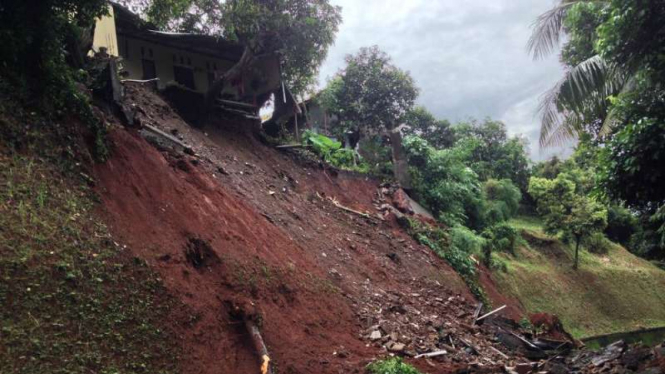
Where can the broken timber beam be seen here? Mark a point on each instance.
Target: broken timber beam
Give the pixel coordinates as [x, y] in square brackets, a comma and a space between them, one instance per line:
[259, 345]
[337, 204]
[476, 313]
[171, 138]
[237, 103]
[490, 313]
[432, 354]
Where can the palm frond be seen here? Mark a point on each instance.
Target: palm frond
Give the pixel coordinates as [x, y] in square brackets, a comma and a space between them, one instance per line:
[548, 28]
[582, 91]
[612, 116]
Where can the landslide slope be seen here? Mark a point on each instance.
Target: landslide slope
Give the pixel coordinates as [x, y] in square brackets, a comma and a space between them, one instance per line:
[243, 226]
[610, 292]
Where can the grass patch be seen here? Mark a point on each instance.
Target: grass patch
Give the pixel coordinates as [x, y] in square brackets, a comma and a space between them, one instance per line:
[611, 292]
[391, 366]
[72, 301]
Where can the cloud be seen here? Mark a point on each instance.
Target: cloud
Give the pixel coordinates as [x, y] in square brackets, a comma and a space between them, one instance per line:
[468, 58]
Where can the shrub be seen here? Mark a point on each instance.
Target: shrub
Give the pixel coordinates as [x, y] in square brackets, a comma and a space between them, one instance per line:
[391, 366]
[597, 243]
[621, 224]
[331, 151]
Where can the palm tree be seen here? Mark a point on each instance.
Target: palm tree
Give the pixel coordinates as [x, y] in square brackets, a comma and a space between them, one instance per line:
[579, 99]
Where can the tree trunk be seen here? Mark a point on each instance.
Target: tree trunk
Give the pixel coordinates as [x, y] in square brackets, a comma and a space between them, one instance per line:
[213, 92]
[400, 166]
[577, 252]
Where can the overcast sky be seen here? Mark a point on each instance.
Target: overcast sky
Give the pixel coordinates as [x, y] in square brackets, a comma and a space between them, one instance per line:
[468, 57]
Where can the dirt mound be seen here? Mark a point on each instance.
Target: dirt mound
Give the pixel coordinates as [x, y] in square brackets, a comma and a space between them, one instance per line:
[239, 223]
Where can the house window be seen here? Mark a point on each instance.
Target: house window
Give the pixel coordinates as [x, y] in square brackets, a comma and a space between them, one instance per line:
[150, 52]
[149, 71]
[184, 76]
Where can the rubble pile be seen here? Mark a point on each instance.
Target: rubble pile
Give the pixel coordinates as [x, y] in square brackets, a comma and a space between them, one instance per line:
[431, 324]
[616, 358]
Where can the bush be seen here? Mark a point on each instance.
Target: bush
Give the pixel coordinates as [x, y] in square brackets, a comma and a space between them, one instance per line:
[505, 193]
[444, 184]
[504, 238]
[621, 224]
[391, 366]
[597, 243]
[331, 151]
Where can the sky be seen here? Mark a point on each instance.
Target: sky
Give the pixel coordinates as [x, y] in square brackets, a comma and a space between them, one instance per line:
[468, 58]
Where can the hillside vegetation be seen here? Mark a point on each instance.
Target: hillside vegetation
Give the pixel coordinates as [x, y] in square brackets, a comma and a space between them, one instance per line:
[612, 292]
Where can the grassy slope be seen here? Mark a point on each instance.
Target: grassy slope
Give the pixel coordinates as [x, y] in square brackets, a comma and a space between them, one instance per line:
[609, 293]
[71, 301]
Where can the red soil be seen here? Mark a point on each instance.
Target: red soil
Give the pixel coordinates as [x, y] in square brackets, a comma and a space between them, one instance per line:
[514, 309]
[276, 248]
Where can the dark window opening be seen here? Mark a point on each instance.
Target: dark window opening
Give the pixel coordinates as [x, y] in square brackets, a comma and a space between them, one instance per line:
[142, 51]
[125, 55]
[211, 78]
[149, 71]
[150, 52]
[182, 60]
[189, 61]
[184, 76]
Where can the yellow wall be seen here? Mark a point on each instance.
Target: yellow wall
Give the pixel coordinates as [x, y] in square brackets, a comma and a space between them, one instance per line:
[260, 79]
[105, 34]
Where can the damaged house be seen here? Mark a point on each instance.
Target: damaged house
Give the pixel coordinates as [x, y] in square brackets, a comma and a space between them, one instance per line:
[183, 65]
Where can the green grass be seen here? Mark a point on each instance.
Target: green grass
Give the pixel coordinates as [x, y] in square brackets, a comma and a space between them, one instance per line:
[391, 366]
[72, 301]
[609, 293]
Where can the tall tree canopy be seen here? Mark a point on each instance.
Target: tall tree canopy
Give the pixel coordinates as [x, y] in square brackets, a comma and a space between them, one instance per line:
[371, 93]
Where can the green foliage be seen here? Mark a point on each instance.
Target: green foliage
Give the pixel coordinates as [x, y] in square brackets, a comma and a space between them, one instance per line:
[492, 154]
[72, 302]
[621, 224]
[502, 237]
[503, 199]
[597, 243]
[332, 152]
[580, 24]
[422, 123]
[371, 93]
[565, 210]
[631, 163]
[41, 55]
[444, 183]
[456, 247]
[393, 365]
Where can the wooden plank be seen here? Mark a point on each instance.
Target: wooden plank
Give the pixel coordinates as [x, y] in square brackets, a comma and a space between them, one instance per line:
[237, 103]
[432, 354]
[161, 133]
[491, 313]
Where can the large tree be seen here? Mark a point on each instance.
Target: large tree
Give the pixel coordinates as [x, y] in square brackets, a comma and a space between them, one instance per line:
[566, 210]
[371, 95]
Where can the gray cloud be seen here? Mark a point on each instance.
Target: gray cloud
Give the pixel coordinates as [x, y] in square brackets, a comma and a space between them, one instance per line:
[468, 57]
